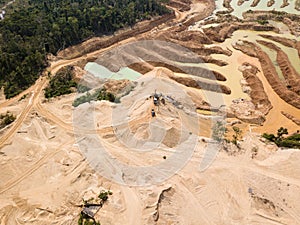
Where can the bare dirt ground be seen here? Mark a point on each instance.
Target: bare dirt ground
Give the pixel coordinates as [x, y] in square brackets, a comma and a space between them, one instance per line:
[44, 173]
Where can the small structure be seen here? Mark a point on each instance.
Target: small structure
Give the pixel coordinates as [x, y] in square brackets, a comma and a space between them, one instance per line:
[157, 98]
[152, 113]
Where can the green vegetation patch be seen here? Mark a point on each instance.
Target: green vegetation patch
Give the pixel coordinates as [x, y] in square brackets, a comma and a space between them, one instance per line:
[6, 119]
[98, 95]
[86, 215]
[62, 83]
[291, 141]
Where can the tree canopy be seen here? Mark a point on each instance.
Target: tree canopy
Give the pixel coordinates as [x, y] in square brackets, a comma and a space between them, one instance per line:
[33, 28]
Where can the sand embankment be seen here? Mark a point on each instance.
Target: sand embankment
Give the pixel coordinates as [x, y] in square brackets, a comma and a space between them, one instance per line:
[98, 43]
[272, 77]
[292, 77]
[257, 92]
[223, 31]
[270, 73]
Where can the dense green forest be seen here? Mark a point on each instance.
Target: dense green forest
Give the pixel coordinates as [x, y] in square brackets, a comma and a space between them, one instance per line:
[33, 28]
[62, 83]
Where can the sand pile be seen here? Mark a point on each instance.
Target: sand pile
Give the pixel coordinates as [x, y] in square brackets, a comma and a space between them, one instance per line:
[133, 130]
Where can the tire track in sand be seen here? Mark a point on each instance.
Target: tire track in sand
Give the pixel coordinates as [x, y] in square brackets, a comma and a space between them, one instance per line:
[11, 183]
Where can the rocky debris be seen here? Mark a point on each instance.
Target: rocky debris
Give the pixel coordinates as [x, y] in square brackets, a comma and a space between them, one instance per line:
[195, 40]
[198, 100]
[257, 92]
[269, 45]
[214, 50]
[264, 202]
[119, 87]
[162, 196]
[78, 73]
[291, 117]
[188, 38]
[246, 111]
[232, 149]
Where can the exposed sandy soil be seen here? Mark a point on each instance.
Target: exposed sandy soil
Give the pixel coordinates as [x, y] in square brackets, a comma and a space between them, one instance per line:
[45, 173]
[256, 89]
[42, 168]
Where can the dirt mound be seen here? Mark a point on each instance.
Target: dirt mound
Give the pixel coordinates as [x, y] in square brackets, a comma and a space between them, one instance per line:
[183, 5]
[291, 117]
[272, 77]
[118, 87]
[199, 84]
[257, 92]
[285, 41]
[104, 42]
[225, 30]
[246, 111]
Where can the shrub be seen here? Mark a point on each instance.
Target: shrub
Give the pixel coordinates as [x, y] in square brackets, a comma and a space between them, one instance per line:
[61, 83]
[270, 137]
[98, 95]
[292, 141]
[6, 119]
[218, 131]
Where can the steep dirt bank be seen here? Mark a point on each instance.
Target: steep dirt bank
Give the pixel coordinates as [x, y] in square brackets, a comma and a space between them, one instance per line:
[257, 92]
[142, 28]
[284, 41]
[291, 117]
[195, 41]
[272, 77]
[226, 29]
[298, 47]
[195, 83]
[270, 73]
[254, 111]
[98, 43]
[292, 43]
[182, 5]
[291, 20]
[292, 77]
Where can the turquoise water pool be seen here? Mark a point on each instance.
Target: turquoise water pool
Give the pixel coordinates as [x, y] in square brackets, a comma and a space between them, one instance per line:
[102, 72]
